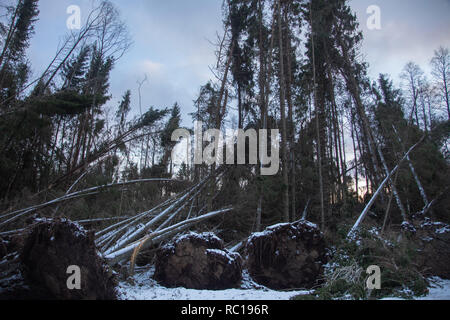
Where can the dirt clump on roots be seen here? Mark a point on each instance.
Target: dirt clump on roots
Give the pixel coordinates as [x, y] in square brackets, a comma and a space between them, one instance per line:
[198, 261]
[51, 247]
[287, 256]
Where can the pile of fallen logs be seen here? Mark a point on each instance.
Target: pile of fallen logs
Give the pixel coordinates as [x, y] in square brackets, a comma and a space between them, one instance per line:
[125, 239]
[131, 234]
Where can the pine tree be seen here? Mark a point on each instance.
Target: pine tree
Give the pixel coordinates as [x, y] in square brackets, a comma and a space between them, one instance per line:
[19, 32]
[123, 110]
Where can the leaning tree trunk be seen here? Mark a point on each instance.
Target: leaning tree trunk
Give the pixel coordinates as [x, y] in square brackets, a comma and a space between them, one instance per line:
[392, 184]
[413, 172]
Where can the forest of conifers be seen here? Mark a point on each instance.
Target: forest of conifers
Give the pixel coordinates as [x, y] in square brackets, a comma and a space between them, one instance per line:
[348, 143]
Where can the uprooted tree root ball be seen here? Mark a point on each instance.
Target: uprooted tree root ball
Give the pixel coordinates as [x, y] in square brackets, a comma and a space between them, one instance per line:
[287, 256]
[198, 261]
[54, 245]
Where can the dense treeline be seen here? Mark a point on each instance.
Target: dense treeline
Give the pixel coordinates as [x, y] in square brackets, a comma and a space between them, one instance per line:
[288, 65]
[296, 66]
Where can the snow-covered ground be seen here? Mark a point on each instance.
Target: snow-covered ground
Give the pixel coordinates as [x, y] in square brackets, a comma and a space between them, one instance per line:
[439, 290]
[145, 288]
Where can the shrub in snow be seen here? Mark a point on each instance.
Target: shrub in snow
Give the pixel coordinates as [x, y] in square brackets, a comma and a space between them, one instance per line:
[54, 245]
[395, 255]
[198, 261]
[287, 256]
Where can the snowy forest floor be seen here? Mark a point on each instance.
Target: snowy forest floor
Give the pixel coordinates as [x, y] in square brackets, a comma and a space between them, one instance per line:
[145, 288]
[438, 290]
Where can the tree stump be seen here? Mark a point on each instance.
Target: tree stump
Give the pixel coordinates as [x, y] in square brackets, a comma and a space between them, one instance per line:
[287, 256]
[198, 261]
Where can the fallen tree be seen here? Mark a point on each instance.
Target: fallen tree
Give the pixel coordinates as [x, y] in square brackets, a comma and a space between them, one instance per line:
[125, 239]
[73, 196]
[116, 237]
[159, 236]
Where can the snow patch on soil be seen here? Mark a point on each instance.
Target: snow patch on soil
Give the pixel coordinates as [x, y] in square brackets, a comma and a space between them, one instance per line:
[145, 288]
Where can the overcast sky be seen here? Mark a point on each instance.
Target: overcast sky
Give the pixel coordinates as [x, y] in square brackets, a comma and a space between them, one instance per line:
[171, 42]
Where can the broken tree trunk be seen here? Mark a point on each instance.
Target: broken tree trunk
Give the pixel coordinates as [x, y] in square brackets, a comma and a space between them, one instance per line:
[182, 201]
[159, 236]
[75, 195]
